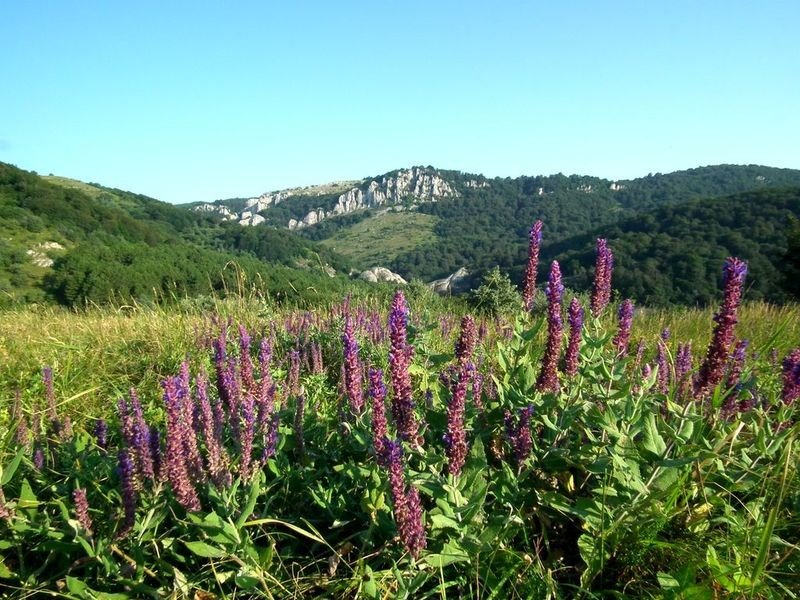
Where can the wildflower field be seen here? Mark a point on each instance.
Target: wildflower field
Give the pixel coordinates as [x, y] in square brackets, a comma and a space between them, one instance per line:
[365, 450]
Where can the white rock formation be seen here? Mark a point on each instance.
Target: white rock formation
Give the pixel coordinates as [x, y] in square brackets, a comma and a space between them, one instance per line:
[450, 285]
[381, 274]
[415, 184]
[39, 255]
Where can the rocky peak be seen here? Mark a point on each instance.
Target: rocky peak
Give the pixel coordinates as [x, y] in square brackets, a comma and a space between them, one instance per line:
[416, 184]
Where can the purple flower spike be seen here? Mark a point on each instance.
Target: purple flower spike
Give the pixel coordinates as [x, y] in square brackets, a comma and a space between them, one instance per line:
[129, 485]
[399, 362]
[176, 454]
[575, 319]
[408, 513]
[465, 346]
[101, 433]
[713, 368]
[623, 337]
[604, 265]
[518, 432]
[736, 364]
[352, 367]
[50, 397]
[663, 363]
[548, 377]
[534, 243]
[377, 394]
[791, 377]
[82, 509]
[456, 437]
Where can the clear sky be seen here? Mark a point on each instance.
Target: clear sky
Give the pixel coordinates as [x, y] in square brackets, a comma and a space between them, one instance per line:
[188, 101]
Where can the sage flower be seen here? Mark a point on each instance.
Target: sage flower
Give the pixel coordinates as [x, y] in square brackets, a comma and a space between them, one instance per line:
[82, 509]
[529, 284]
[456, 437]
[575, 320]
[601, 290]
[713, 367]
[399, 362]
[352, 367]
[548, 376]
[377, 395]
[791, 377]
[623, 336]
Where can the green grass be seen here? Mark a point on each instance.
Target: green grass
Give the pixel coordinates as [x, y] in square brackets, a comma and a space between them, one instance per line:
[377, 241]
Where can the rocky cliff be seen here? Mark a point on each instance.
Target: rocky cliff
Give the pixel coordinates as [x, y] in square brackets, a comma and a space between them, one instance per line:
[414, 185]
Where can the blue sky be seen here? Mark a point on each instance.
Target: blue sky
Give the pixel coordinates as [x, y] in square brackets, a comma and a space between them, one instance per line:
[188, 101]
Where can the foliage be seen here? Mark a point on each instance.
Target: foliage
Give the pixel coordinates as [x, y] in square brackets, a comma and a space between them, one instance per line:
[611, 486]
[496, 295]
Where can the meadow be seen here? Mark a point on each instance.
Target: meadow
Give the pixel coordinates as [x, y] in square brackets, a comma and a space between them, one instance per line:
[406, 448]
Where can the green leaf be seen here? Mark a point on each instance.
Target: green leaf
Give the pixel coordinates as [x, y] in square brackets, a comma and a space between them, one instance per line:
[652, 441]
[246, 579]
[442, 522]
[451, 553]
[253, 493]
[10, 469]
[205, 550]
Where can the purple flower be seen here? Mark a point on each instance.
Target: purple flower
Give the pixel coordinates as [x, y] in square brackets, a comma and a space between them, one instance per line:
[50, 397]
[5, 513]
[534, 243]
[245, 362]
[518, 432]
[176, 454]
[623, 337]
[352, 367]
[38, 457]
[791, 377]
[683, 368]
[101, 433]
[477, 388]
[548, 377]
[82, 509]
[299, 416]
[377, 394]
[456, 437]
[575, 319]
[215, 452]
[23, 435]
[155, 451]
[408, 513]
[604, 265]
[663, 363]
[713, 367]
[736, 364]
[399, 362]
[293, 376]
[136, 435]
[465, 346]
[129, 485]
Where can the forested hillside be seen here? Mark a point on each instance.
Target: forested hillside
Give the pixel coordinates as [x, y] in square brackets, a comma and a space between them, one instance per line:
[66, 241]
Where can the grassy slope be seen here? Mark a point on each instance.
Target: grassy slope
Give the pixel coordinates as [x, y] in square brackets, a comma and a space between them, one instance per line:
[380, 239]
[98, 355]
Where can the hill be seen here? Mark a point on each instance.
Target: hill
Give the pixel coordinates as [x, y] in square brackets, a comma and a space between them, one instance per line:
[71, 242]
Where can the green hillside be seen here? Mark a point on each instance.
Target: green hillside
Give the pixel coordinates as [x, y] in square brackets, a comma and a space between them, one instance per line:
[70, 242]
[671, 255]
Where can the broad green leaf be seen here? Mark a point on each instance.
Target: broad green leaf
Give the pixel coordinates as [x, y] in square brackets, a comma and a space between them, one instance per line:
[205, 550]
[439, 521]
[9, 470]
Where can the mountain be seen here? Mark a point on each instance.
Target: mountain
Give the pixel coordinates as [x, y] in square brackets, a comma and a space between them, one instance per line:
[71, 242]
[427, 223]
[75, 242]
